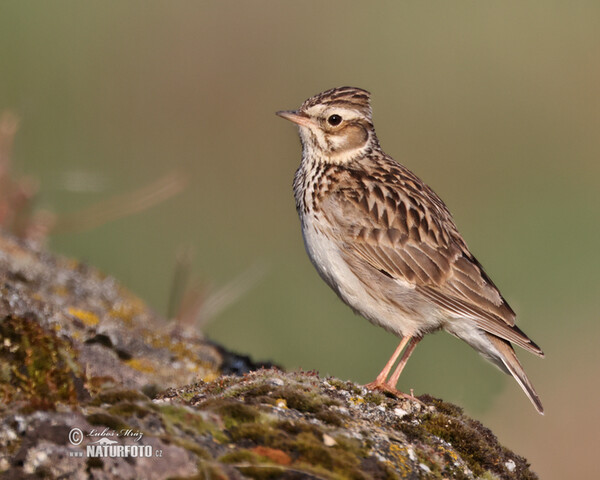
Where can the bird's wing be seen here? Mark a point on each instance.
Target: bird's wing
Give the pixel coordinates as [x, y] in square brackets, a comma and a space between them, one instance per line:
[406, 232]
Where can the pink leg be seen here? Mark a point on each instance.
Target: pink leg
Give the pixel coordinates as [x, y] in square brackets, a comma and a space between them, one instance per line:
[380, 380]
[391, 383]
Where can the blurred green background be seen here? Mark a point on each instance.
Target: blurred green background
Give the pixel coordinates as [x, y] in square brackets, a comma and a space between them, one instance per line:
[495, 105]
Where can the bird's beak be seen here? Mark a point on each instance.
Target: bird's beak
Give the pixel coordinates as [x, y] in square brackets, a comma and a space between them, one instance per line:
[296, 117]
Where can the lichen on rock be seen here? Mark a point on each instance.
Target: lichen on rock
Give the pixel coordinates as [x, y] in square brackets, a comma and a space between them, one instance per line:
[84, 363]
[280, 424]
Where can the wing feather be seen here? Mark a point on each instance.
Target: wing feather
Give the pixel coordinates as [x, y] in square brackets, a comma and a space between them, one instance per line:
[412, 237]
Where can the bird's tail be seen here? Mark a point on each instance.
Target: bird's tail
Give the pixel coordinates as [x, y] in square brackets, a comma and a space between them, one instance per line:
[511, 364]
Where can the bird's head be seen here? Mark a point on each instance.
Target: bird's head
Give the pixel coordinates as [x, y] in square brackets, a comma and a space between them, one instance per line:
[335, 126]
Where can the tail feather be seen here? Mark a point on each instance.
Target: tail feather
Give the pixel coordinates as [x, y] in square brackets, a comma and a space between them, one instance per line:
[511, 363]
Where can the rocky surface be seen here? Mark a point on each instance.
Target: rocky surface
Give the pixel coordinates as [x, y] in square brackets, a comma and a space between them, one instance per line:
[69, 331]
[93, 384]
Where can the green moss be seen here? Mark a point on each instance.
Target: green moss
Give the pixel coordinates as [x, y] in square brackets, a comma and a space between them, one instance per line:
[331, 417]
[412, 428]
[266, 472]
[39, 367]
[250, 391]
[253, 465]
[441, 406]
[190, 446]
[128, 409]
[294, 428]
[374, 397]
[116, 396]
[351, 445]
[488, 476]
[151, 390]
[337, 459]
[179, 417]
[240, 456]
[313, 451]
[475, 447]
[303, 442]
[182, 416]
[258, 433]
[232, 412]
[246, 424]
[305, 399]
[106, 420]
[207, 470]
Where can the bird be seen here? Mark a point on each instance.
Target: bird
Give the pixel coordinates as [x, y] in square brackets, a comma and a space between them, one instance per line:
[387, 244]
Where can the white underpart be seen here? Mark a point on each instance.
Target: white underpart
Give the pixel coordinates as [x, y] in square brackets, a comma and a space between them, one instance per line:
[326, 257]
[425, 317]
[466, 330]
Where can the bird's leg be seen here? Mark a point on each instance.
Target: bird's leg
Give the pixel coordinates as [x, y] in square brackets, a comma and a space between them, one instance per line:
[380, 383]
[391, 383]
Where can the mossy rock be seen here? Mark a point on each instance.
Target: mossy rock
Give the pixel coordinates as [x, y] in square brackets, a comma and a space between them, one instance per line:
[297, 425]
[68, 333]
[82, 361]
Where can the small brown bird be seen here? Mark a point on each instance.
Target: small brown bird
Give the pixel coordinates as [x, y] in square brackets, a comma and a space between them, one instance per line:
[387, 244]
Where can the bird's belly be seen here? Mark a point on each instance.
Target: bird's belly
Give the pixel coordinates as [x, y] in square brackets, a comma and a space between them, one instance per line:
[391, 308]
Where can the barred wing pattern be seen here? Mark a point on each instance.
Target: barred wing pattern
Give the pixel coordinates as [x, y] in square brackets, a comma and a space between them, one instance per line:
[401, 228]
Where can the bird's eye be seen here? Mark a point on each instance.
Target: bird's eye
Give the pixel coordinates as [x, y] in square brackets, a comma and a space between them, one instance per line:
[334, 120]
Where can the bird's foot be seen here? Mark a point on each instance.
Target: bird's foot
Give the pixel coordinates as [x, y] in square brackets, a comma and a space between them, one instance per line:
[391, 390]
[383, 387]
